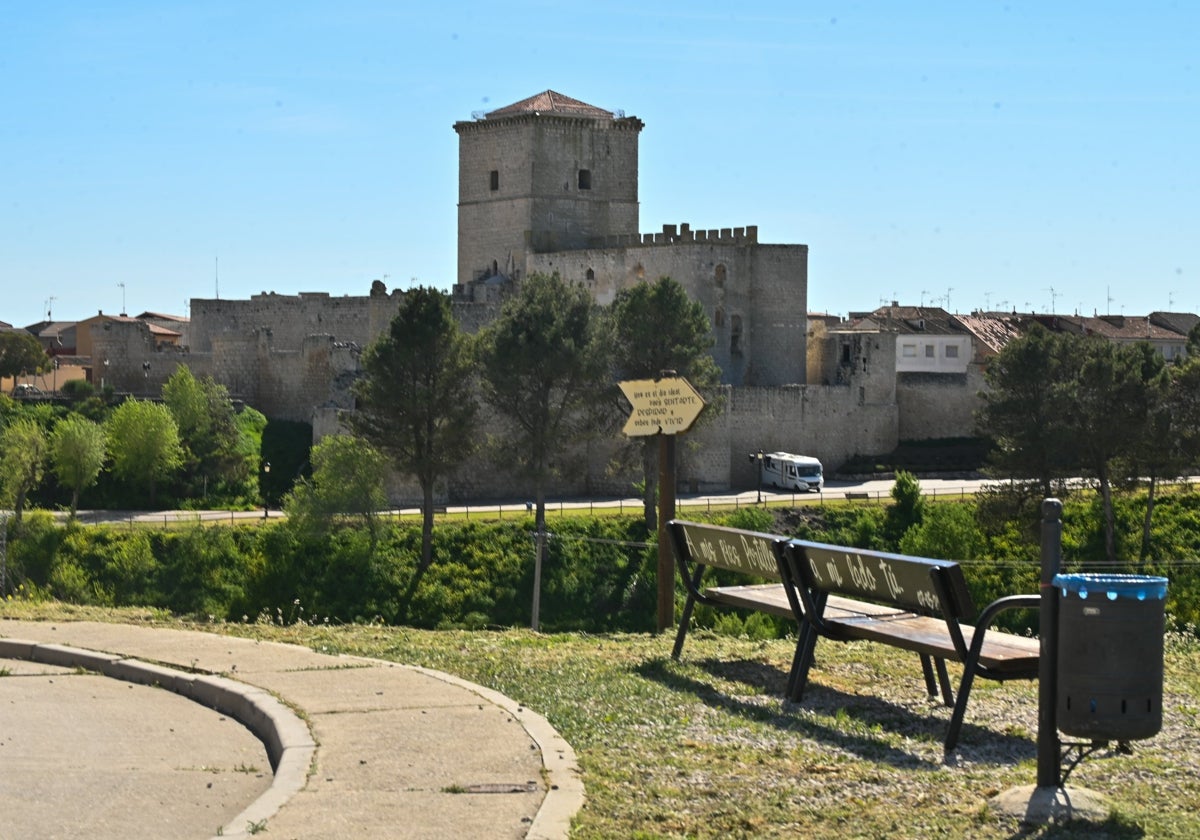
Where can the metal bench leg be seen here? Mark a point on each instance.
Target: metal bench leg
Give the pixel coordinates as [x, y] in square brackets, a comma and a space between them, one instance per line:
[801, 662]
[944, 680]
[927, 670]
[928, 664]
[960, 707]
[684, 620]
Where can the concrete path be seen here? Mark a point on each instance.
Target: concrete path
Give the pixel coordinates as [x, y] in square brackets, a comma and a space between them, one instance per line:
[90, 744]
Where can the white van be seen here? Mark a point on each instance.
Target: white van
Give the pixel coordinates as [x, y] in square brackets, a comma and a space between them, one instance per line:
[792, 472]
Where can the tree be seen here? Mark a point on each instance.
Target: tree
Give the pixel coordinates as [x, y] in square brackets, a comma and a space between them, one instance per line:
[78, 447]
[1183, 398]
[655, 328]
[1193, 341]
[946, 531]
[1156, 451]
[22, 461]
[417, 396]
[544, 368]
[1110, 395]
[143, 443]
[907, 510]
[209, 431]
[1025, 407]
[20, 352]
[348, 477]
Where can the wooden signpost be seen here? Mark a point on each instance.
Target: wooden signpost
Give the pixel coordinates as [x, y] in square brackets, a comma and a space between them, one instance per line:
[664, 407]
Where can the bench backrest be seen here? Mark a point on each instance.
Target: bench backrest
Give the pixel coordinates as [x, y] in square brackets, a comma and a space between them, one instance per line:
[896, 579]
[750, 552]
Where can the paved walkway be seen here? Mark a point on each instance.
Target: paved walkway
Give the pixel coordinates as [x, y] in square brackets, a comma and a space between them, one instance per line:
[360, 748]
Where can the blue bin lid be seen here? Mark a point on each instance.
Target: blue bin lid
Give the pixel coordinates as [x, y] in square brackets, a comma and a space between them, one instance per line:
[1112, 587]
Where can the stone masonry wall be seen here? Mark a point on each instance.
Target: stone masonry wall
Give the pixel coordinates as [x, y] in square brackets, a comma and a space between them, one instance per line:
[754, 295]
[938, 405]
[539, 203]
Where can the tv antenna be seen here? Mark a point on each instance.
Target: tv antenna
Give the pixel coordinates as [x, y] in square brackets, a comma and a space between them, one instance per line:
[122, 285]
[1053, 300]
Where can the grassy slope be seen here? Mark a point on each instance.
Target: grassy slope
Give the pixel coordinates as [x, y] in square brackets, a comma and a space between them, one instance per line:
[705, 748]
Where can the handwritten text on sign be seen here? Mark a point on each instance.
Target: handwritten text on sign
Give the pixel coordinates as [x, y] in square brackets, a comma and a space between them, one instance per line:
[885, 577]
[740, 551]
[668, 406]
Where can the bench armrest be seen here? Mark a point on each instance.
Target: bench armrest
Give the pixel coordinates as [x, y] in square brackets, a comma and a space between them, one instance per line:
[1008, 602]
[988, 615]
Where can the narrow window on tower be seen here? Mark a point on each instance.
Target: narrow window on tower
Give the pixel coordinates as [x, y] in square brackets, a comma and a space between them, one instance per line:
[494, 179]
[585, 179]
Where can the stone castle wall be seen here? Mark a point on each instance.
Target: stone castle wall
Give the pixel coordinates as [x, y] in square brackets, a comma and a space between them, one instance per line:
[291, 374]
[753, 294]
[938, 405]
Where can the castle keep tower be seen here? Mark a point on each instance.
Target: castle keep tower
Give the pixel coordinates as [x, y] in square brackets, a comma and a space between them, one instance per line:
[548, 173]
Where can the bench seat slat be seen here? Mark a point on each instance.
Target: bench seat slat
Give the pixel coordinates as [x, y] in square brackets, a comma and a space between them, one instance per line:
[878, 623]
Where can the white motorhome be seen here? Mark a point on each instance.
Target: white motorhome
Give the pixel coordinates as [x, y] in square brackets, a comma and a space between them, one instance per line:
[792, 472]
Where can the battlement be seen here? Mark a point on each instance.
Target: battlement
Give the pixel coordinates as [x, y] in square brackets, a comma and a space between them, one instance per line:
[672, 235]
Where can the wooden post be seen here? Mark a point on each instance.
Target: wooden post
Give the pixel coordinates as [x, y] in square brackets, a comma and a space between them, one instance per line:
[666, 512]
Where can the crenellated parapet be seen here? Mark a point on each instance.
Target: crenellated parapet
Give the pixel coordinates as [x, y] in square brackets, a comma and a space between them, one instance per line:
[672, 235]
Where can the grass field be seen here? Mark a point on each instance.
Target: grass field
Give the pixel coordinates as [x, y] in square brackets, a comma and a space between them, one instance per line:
[705, 747]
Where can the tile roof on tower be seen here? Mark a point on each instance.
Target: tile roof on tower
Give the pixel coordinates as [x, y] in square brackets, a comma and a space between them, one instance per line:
[550, 102]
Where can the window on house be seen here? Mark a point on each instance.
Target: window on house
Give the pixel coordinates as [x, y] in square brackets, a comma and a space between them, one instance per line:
[585, 179]
[735, 335]
[909, 350]
[494, 179]
[929, 351]
[719, 276]
[591, 275]
[845, 354]
[951, 351]
[719, 317]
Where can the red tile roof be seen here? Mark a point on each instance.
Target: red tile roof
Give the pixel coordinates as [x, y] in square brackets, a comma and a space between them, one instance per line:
[549, 102]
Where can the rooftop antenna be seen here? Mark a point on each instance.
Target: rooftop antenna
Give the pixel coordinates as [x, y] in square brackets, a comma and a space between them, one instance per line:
[49, 302]
[122, 285]
[1053, 300]
[217, 277]
[1108, 294]
[987, 301]
[948, 291]
[923, 293]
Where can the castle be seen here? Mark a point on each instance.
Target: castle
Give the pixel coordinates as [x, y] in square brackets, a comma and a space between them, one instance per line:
[550, 184]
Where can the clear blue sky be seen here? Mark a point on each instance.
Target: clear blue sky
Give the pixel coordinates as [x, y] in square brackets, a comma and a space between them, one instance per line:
[984, 152]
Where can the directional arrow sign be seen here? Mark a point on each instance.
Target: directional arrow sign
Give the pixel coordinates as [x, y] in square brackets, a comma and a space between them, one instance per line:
[669, 406]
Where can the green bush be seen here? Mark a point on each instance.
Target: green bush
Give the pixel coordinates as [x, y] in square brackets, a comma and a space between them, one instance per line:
[598, 574]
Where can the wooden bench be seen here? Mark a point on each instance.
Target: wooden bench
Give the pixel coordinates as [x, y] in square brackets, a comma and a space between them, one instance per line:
[845, 594]
[859, 495]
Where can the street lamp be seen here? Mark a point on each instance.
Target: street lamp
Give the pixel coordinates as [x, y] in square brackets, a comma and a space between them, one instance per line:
[759, 458]
[266, 475]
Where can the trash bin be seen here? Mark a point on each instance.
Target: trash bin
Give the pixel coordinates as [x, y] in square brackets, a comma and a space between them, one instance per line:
[1110, 655]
